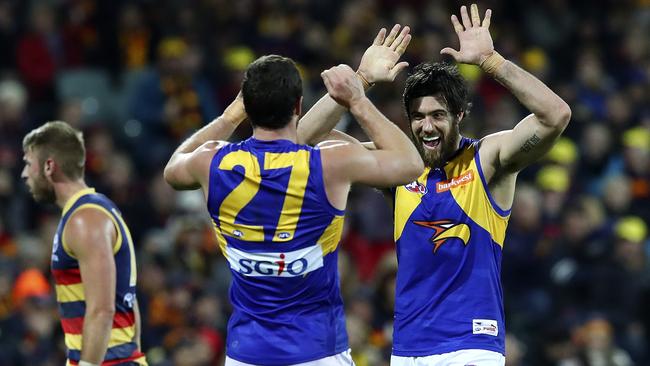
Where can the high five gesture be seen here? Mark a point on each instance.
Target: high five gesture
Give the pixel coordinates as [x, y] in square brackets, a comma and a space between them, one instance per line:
[379, 62]
[475, 40]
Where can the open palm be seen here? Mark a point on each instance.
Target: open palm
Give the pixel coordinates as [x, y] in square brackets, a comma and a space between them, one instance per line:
[379, 62]
[475, 40]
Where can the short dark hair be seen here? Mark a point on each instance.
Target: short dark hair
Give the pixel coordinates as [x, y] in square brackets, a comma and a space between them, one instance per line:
[271, 88]
[63, 143]
[437, 79]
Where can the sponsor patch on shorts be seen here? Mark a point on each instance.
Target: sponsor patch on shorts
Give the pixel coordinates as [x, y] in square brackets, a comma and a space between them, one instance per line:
[485, 326]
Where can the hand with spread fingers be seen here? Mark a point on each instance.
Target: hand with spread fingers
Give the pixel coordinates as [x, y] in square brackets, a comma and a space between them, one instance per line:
[474, 36]
[379, 62]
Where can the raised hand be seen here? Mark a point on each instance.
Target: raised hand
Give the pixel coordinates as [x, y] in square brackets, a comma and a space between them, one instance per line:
[379, 62]
[343, 85]
[475, 40]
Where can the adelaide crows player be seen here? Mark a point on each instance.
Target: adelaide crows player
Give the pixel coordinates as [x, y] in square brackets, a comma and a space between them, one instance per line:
[93, 260]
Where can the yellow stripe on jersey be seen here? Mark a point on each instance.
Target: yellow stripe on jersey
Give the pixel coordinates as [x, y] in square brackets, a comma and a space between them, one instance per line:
[408, 202]
[118, 336]
[472, 197]
[221, 241]
[71, 201]
[69, 293]
[141, 361]
[331, 237]
[239, 197]
[134, 270]
[118, 241]
[292, 206]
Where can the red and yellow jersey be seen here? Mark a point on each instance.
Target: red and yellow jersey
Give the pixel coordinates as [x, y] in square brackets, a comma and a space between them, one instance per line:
[449, 234]
[70, 287]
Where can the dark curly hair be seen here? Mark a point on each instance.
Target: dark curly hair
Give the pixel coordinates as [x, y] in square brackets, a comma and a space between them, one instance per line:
[439, 79]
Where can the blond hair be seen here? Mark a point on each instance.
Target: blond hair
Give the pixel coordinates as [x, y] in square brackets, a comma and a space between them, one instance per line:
[61, 142]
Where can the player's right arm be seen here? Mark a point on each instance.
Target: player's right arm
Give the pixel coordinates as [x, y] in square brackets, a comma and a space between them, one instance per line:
[379, 63]
[186, 168]
[395, 161]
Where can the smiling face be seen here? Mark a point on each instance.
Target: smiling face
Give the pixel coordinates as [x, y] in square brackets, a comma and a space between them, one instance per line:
[434, 129]
[34, 177]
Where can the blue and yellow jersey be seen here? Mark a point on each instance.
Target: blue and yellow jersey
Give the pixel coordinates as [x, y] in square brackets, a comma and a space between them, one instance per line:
[449, 234]
[279, 233]
[69, 285]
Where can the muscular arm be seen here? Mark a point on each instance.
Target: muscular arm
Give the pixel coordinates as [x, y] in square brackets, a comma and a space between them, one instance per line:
[181, 170]
[379, 63]
[533, 136]
[396, 160]
[512, 150]
[90, 235]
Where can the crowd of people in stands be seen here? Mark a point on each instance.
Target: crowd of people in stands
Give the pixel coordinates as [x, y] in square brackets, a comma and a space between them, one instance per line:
[137, 76]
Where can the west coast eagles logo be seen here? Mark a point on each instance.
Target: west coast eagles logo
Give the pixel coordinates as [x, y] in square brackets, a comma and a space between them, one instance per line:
[446, 229]
[416, 187]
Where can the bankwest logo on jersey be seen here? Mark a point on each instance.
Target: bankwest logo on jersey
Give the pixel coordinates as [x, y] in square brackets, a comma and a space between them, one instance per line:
[283, 264]
[458, 181]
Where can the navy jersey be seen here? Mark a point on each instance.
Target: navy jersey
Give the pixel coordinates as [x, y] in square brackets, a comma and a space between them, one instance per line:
[70, 291]
[449, 234]
[280, 234]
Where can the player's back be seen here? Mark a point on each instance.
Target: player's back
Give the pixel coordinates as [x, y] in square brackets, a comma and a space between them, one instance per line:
[279, 233]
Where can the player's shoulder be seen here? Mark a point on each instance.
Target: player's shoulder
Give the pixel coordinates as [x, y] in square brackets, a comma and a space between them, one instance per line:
[211, 147]
[338, 153]
[204, 154]
[331, 144]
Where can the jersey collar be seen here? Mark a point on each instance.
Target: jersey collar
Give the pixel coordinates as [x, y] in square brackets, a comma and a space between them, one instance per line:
[75, 197]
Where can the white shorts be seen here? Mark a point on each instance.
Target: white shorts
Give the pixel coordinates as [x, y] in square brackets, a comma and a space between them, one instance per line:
[342, 359]
[465, 357]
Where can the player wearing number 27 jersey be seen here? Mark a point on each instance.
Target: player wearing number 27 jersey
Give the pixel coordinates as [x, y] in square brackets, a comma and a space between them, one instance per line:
[279, 233]
[277, 208]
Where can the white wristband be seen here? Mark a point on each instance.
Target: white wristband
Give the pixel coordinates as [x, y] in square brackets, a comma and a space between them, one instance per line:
[85, 363]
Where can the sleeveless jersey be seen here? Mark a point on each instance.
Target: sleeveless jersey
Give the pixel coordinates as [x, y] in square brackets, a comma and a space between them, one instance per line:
[449, 234]
[280, 234]
[69, 285]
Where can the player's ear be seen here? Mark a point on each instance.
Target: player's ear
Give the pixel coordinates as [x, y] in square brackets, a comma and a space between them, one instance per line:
[49, 166]
[460, 116]
[298, 107]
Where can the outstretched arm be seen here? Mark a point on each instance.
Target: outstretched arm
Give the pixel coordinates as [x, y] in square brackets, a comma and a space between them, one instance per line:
[181, 172]
[379, 63]
[512, 150]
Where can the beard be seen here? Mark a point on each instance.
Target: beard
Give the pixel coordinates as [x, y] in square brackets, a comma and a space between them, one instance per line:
[448, 144]
[42, 191]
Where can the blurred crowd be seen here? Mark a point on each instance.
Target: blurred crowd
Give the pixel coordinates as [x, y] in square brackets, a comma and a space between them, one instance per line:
[138, 76]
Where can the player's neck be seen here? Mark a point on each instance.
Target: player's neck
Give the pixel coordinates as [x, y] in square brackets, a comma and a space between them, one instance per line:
[65, 190]
[286, 133]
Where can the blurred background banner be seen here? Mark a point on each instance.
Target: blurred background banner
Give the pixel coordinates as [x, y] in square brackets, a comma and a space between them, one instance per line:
[139, 76]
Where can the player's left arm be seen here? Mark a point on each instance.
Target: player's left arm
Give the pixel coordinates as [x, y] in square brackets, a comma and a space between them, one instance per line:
[183, 168]
[512, 150]
[90, 234]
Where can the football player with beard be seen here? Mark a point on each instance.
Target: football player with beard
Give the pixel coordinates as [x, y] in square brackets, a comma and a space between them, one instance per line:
[93, 259]
[450, 223]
